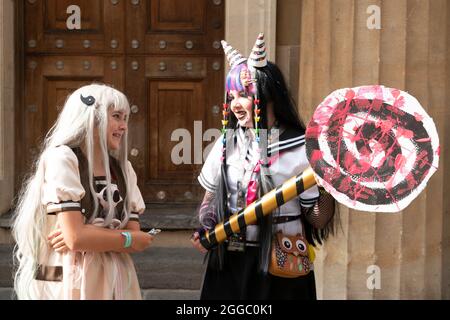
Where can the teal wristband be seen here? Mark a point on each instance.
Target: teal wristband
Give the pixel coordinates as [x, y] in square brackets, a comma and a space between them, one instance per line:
[128, 239]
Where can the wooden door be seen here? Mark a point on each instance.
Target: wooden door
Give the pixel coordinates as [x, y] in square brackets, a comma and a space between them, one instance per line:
[166, 57]
[174, 77]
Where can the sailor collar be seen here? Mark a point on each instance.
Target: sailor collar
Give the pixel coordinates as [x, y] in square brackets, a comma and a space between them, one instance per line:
[281, 138]
[288, 138]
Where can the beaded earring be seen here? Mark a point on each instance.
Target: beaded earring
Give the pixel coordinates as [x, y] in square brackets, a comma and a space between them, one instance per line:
[258, 59]
[226, 114]
[257, 112]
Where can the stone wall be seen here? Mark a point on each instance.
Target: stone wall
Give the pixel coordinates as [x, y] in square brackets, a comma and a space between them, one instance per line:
[7, 70]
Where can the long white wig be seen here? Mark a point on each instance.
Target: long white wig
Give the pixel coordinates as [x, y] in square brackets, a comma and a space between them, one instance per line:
[74, 128]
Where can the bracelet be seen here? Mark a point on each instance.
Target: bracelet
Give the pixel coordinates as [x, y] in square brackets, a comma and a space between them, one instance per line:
[128, 239]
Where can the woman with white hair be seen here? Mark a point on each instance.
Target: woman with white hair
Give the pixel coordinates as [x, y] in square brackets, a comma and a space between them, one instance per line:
[77, 217]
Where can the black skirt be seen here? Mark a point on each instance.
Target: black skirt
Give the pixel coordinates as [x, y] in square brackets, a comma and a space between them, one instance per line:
[241, 279]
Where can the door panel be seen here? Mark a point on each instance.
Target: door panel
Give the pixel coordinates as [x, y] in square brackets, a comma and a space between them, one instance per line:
[177, 15]
[173, 106]
[176, 67]
[55, 16]
[154, 25]
[102, 27]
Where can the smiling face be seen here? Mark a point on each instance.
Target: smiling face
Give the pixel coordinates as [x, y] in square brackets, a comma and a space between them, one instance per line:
[117, 125]
[240, 89]
[241, 104]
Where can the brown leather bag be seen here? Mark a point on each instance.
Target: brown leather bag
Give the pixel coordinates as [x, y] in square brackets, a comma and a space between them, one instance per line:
[289, 256]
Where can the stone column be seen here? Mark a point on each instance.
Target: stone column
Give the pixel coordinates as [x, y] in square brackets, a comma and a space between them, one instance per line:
[288, 42]
[245, 19]
[411, 51]
[6, 109]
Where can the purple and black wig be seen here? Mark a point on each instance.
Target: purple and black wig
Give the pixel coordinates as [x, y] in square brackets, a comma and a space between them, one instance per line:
[233, 81]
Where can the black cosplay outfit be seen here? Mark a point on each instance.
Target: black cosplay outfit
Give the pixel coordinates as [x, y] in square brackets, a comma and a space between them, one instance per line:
[240, 276]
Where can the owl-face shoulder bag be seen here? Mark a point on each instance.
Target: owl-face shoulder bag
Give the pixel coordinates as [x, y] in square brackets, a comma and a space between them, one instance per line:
[291, 256]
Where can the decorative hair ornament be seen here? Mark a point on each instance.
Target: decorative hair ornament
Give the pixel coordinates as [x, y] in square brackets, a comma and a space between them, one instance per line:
[89, 100]
[257, 112]
[257, 59]
[258, 56]
[226, 113]
[247, 79]
[234, 57]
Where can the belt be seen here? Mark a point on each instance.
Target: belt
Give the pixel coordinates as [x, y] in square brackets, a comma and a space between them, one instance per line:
[49, 273]
[284, 219]
[244, 243]
[251, 243]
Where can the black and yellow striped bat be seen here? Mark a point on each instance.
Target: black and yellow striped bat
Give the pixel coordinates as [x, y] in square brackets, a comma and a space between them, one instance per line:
[258, 209]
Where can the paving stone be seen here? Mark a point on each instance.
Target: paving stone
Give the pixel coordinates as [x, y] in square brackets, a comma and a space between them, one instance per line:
[6, 293]
[6, 277]
[164, 294]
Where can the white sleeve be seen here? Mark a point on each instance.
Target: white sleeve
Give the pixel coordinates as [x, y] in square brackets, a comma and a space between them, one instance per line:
[210, 170]
[62, 189]
[137, 205]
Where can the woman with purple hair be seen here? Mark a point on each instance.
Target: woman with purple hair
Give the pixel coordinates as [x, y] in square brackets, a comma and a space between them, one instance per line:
[262, 145]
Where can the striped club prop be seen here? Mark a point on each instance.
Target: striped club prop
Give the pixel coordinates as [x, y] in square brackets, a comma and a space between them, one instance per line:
[258, 209]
